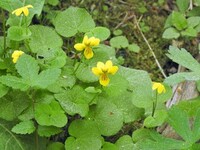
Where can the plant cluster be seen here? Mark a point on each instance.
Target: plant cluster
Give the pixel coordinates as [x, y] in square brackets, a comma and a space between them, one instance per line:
[55, 97]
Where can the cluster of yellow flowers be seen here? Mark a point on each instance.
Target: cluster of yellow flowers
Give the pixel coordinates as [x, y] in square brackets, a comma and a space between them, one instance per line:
[23, 10]
[102, 70]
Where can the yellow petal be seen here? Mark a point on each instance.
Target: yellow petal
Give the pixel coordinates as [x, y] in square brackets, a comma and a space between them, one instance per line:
[104, 80]
[79, 46]
[29, 6]
[85, 40]
[18, 12]
[109, 64]
[25, 11]
[88, 53]
[113, 70]
[97, 71]
[94, 41]
[100, 65]
[15, 60]
[155, 85]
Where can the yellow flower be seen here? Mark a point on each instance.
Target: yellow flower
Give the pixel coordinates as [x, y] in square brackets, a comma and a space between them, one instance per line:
[159, 87]
[16, 54]
[102, 70]
[86, 45]
[23, 10]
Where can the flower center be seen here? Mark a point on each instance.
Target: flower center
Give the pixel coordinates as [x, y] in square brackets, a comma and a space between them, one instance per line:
[104, 69]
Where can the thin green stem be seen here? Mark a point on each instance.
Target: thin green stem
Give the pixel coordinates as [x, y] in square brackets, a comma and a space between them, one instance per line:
[26, 24]
[155, 104]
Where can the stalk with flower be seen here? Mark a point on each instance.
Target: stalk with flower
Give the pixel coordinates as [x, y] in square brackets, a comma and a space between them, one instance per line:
[103, 70]
[87, 45]
[159, 88]
[25, 11]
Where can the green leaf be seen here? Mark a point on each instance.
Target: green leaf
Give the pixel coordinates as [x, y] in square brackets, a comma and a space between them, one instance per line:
[27, 114]
[134, 48]
[14, 82]
[141, 134]
[139, 83]
[3, 90]
[117, 86]
[27, 67]
[11, 141]
[193, 21]
[195, 129]
[171, 33]
[46, 78]
[53, 58]
[178, 119]
[10, 5]
[182, 5]
[180, 77]
[43, 96]
[43, 39]
[66, 80]
[119, 42]
[92, 89]
[107, 116]
[194, 12]
[73, 20]
[17, 33]
[178, 20]
[158, 142]
[74, 103]
[8, 139]
[189, 32]
[168, 22]
[83, 143]
[124, 103]
[102, 53]
[50, 114]
[157, 120]
[48, 131]
[117, 32]
[109, 146]
[190, 106]
[25, 127]
[86, 128]
[13, 104]
[99, 32]
[37, 5]
[183, 58]
[125, 143]
[53, 2]
[84, 73]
